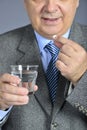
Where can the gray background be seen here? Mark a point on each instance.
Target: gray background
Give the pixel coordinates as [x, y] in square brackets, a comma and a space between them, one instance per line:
[13, 14]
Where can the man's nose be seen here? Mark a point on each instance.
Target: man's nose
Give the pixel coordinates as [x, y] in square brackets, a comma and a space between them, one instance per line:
[51, 5]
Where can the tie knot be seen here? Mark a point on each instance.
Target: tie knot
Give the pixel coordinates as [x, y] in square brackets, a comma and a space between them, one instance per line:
[52, 49]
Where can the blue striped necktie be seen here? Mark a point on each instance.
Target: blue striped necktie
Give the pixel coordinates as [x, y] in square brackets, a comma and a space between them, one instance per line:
[52, 71]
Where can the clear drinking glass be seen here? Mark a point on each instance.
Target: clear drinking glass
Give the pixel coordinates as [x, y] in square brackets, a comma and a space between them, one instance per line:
[27, 74]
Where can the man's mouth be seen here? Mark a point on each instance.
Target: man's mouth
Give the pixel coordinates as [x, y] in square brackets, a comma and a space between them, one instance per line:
[50, 21]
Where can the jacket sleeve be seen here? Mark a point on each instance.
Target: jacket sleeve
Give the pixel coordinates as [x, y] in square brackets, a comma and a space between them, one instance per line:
[78, 97]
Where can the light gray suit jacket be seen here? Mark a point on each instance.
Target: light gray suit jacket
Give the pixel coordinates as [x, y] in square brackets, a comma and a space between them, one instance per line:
[69, 112]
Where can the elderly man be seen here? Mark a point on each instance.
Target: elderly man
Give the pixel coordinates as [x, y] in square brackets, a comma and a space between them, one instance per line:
[59, 47]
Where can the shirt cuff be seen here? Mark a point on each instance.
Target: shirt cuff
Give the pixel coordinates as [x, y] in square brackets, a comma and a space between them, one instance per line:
[4, 113]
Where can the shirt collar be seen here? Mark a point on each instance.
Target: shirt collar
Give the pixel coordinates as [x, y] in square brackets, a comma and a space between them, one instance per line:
[42, 41]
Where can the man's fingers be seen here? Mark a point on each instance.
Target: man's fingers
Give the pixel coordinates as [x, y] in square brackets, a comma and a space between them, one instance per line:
[63, 40]
[35, 88]
[60, 41]
[11, 89]
[14, 99]
[10, 78]
[58, 44]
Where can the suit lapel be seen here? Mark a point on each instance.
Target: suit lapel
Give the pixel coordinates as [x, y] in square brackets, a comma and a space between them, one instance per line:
[31, 55]
[42, 95]
[28, 48]
[61, 95]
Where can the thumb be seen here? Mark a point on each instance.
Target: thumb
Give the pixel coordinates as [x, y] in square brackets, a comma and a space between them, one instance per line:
[59, 41]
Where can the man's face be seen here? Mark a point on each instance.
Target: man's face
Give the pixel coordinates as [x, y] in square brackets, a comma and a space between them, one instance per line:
[50, 17]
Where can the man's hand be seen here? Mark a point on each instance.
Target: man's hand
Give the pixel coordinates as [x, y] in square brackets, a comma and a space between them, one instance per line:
[10, 93]
[72, 59]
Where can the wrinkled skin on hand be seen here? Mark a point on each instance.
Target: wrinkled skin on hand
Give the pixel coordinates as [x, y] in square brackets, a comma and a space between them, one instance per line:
[10, 93]
[72, 59]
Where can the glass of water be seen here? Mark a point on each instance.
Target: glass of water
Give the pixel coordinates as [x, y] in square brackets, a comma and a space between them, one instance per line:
[27, 74]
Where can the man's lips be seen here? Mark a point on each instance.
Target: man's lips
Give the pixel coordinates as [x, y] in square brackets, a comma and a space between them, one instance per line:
[50, 19]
